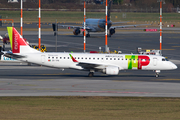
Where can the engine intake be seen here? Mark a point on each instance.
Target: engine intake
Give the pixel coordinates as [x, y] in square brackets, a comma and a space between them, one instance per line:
[76, 31]
[111, 31]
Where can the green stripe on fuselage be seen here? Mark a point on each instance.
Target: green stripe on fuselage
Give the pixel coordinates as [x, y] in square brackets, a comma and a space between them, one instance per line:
[132, 61]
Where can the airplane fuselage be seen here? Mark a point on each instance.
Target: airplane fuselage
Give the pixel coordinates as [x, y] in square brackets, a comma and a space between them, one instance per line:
[121, 61]
[97, 25]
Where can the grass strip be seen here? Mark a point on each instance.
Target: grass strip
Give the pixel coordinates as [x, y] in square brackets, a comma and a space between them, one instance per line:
[96, 108]
[67, 16]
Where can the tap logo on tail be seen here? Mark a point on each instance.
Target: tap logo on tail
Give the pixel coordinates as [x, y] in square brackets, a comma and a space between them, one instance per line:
[16, 40]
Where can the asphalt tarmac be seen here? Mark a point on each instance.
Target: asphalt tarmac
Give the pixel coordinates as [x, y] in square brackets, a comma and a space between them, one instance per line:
[19, 79]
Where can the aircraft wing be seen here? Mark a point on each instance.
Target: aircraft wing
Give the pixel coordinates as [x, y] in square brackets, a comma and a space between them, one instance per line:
[70, 26]
[80, 27]
[96, 66]
[120, 22]
[124, 26]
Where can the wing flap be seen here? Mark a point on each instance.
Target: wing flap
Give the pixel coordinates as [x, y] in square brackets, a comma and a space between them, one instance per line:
[97, 66]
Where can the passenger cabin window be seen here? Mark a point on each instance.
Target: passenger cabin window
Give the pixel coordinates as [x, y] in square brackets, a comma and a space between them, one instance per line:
[143, 59]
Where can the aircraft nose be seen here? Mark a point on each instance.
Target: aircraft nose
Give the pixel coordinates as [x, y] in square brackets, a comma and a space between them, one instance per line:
[174, 66]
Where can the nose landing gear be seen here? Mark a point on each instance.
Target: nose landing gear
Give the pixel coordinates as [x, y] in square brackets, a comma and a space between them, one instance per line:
[157, 73]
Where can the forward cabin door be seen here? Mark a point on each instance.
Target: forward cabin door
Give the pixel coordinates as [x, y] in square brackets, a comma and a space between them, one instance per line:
[154, 61]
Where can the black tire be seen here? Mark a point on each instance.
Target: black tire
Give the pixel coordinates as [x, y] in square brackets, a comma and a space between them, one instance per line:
[91, 74]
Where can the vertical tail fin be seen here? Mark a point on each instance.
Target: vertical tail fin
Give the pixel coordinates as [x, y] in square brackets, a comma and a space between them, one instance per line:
[18, 44]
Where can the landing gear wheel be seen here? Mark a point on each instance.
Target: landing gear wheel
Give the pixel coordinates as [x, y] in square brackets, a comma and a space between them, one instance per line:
[87, 35]
[91, 74]
[157, 75]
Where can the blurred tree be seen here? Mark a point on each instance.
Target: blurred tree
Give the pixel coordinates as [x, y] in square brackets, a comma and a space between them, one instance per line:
[118, 1]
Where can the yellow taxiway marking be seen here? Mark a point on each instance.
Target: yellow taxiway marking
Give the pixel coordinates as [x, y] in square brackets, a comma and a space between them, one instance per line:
[168, 49]
[165, 79]
[57, 74]
[175, 46]
[26, 85]
[172, 43]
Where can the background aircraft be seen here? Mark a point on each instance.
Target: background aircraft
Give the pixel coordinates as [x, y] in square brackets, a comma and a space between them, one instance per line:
[109, 64]
[98, 25]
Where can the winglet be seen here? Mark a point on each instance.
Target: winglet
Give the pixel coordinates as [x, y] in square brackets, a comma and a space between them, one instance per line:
[74, 60]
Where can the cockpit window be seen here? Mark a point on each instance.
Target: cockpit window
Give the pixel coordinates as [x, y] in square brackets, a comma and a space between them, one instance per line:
[165, 59]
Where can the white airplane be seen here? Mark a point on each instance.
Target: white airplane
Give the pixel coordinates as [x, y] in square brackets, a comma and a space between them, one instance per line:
[109, 64]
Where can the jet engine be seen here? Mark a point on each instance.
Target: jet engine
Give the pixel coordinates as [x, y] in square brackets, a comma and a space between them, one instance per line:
[76, 31]
[111, 31]
[111, 70]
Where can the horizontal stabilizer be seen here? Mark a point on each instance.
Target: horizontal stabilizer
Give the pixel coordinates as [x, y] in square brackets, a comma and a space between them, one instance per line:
[14, 56]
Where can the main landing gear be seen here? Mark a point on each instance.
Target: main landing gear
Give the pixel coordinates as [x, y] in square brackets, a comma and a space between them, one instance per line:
[91, 73]
[157, 73]
[87, 35]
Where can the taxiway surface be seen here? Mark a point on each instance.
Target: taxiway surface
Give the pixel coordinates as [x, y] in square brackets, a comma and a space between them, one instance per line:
[18, 79]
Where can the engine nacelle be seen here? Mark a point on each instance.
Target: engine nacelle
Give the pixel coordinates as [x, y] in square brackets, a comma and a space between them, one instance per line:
[111, 70]
[76, 31]
[111, 31]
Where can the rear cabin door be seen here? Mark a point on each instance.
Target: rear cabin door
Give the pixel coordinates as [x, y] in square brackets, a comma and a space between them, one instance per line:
[42, 58]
